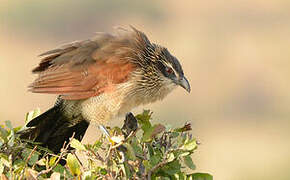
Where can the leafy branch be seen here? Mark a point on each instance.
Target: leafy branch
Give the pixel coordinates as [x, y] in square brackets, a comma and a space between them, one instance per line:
[138, 150]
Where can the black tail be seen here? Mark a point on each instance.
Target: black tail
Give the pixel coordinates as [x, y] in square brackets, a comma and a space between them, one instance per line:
[53, 128]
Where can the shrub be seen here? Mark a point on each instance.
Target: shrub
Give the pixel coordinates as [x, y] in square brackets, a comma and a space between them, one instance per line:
[138, 150]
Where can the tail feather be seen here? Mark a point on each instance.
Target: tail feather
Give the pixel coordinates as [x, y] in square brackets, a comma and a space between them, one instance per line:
[52, 128]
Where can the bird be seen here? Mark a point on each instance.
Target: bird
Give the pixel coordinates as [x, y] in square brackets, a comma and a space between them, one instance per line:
[97, 80]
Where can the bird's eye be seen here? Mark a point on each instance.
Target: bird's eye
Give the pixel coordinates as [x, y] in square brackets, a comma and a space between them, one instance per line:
[169, 70]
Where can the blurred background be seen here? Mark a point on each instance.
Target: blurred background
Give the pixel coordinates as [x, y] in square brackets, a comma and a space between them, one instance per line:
[234, 53]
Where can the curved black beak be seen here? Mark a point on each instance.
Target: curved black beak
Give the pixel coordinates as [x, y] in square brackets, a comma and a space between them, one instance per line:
[185, 84]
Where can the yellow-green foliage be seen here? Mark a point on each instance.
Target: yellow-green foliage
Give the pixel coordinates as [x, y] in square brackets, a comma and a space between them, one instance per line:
[152, 151]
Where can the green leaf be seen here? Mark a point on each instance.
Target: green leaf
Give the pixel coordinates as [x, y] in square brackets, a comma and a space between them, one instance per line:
[11, 138]
[77, 144]
[63, 170]
[180, 176]
[147, 165]
[130, 153]
[136, 145]
[189, 145]
[188, 162]
[41, 162]
[181, 139]
[184, 153]
[151, 145]
[145, 116]
[152, 132]
[32, 114]
[17, 129]
[128, 170]
[1, 166]
[97, 144]
[171, 168]
[147, 135]
[170, 157]
[150, 149]
[3, 135]
[200, 176]
[59, 168]
[9, 125]
[144, 120]
[174, 134]
[73, 165]
[103, 171]
[4, 159]
[33, 158]
[18, 165]
[155, 159]
[52, 160]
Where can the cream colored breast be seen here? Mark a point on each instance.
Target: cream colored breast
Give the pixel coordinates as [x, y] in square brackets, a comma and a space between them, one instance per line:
[102, 108]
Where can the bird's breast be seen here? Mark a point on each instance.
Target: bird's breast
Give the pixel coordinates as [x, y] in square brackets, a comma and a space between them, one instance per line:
[125, 97]
[106, 106]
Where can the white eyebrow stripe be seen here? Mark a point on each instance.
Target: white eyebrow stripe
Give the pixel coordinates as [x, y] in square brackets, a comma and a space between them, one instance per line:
[170, 66]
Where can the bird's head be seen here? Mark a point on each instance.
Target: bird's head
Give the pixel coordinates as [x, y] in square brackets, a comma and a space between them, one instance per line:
[169, 68]
[159, 67]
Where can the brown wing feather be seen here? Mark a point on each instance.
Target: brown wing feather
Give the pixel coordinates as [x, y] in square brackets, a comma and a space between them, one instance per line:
[84, 69]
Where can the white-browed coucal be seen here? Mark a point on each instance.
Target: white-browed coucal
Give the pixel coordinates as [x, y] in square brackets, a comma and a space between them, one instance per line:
[99, 79]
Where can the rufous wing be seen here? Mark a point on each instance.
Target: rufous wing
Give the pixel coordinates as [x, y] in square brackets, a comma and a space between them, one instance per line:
[83, 69]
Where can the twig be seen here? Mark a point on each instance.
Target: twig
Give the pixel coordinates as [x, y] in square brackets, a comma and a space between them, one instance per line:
[63, 151]
[52, 167]
[125, 140]
[97, 155]
[161, 164]
[28, 158]
[30, 155]
[78, 159]
[119, 144]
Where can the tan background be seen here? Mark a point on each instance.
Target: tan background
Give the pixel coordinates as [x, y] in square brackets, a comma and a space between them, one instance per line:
[234, 53]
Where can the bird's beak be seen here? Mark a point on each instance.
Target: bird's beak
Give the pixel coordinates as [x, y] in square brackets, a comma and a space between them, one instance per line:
[185, 84]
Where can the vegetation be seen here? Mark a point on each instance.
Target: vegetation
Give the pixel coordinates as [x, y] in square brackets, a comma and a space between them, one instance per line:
[150, 151]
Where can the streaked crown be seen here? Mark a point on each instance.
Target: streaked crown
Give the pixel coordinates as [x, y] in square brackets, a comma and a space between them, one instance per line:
[159, 67]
